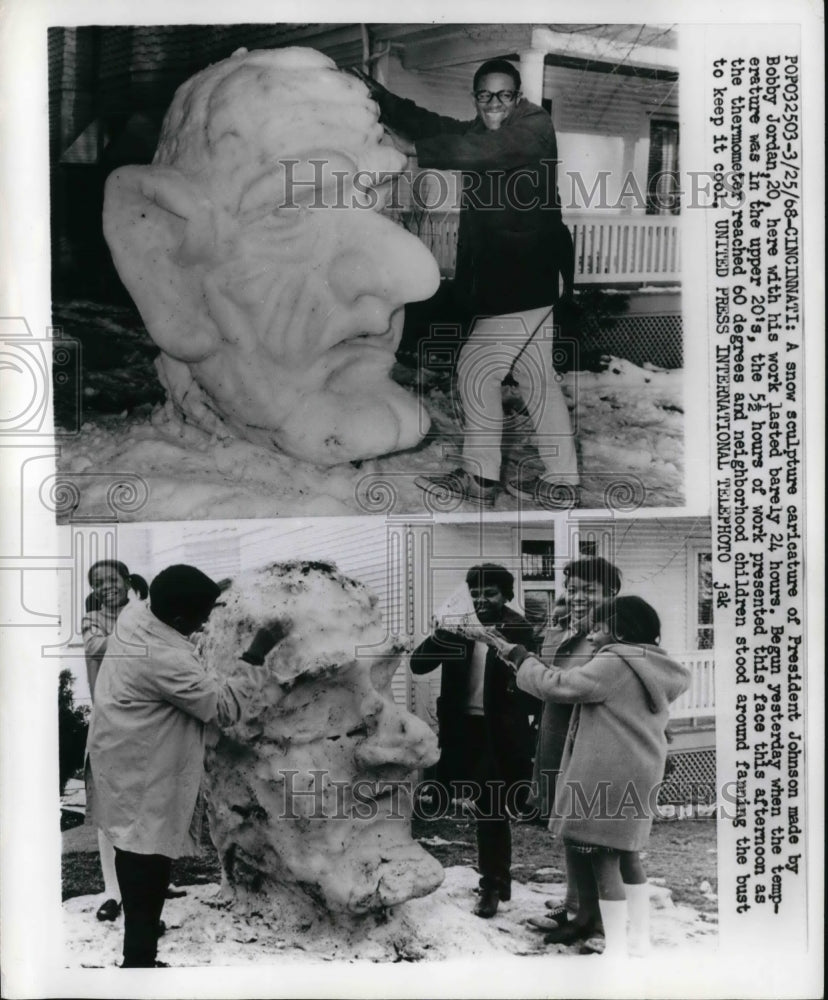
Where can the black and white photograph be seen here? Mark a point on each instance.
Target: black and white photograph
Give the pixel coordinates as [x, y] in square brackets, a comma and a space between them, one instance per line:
[403, 281]
[408, 799]
[412, 441]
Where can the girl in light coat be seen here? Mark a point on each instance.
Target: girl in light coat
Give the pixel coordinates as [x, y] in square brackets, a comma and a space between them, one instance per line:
[612, 765]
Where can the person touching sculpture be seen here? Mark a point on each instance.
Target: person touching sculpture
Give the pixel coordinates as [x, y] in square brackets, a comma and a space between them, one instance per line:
[512, 251]
[484, 731]
[255, 249]
[146, 743]
[614, 760]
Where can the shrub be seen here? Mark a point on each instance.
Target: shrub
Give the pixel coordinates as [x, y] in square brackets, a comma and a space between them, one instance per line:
[73, 725]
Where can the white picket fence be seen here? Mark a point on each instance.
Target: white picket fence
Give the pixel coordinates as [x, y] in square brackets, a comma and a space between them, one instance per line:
[608, 249]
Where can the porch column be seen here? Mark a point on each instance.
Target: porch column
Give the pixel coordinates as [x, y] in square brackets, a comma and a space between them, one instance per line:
[531, 74]
[628, 169]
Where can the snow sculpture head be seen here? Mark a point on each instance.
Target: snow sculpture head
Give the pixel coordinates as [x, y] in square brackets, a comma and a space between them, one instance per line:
[255, 250]
[306, 803]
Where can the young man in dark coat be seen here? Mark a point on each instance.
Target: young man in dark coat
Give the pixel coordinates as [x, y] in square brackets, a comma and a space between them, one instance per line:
[484, 733]
[512, 248]
[512, 244]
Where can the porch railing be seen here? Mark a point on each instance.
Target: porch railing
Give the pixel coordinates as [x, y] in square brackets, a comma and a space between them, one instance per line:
[608, 249]
[624, 249]
[438, 231]
[700, 698]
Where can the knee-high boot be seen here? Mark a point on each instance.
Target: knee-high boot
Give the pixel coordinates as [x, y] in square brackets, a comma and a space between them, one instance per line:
[614, 918]
[638, 903]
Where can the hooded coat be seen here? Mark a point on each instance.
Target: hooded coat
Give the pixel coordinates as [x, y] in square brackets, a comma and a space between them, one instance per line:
[510, 234]
[563, 647]
[613, 761]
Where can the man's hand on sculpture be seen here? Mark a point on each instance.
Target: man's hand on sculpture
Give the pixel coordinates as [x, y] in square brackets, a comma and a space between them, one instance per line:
[376, 90]
[403, 145]
[268, 636]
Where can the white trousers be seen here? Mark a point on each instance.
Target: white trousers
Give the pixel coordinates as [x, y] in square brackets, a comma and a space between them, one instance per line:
[107, 853]
[485, 360]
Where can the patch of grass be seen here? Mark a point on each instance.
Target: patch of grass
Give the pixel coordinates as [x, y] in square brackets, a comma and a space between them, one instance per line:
[682, 853]
[81, 870]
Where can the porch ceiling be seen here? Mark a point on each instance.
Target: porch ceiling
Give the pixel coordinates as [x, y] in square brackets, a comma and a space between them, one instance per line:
[607, 103]
[433, 46]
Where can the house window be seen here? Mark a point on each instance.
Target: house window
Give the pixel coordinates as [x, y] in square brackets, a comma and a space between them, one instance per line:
[537, 560]
[663, 183]
[537, 571]
[701, 595]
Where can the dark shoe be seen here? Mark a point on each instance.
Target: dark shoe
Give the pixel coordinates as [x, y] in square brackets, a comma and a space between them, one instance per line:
[161, 965]
[546, 924]
[557, 912]
[543, 493]
[489, 899]
[458, 485]
[504, 890]
[569, 933]
[109, 910]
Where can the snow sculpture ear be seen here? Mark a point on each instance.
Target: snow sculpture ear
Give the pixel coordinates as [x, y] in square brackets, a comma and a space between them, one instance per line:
[162, 233]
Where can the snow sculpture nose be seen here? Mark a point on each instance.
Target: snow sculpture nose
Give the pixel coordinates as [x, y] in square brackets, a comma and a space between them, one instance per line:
[397, 738]
[380, 259]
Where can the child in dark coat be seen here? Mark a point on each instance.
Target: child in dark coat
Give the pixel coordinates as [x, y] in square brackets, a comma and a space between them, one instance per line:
[613, 763]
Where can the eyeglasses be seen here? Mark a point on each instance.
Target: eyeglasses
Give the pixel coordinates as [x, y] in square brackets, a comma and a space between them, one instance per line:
[503, 96]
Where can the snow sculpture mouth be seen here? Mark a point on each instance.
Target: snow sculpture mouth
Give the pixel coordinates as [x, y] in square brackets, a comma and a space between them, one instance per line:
[255, 249]
[310, 792]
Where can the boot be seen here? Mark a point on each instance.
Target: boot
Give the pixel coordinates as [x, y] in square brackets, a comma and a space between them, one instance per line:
[638, 903]
[614, 919]
[489, 899]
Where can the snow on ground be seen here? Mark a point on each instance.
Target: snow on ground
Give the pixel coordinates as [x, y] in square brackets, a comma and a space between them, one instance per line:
[200, 931]
[629, 423]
